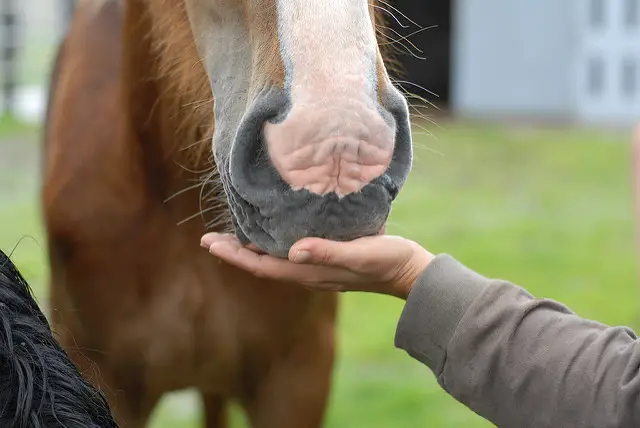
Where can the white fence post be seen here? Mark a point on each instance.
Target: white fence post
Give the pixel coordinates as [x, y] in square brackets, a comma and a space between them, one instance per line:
[9, 55]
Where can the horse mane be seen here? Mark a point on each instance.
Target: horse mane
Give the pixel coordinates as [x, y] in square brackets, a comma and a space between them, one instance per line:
[39, 385]
[183, 77]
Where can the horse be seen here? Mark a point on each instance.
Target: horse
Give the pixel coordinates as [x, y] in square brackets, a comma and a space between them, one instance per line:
[270, 119]
[40, 387]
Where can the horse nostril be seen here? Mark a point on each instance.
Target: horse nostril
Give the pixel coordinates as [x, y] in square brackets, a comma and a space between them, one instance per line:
[249, 166]
[393, 190]
[396, 110]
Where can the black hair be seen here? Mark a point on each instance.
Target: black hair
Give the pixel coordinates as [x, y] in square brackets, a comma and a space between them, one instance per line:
[40, 387]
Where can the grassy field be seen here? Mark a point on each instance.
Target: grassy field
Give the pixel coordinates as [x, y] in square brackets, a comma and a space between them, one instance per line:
[548, 209]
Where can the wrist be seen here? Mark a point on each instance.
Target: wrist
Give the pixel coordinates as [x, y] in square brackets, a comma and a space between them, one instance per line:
[413, 270]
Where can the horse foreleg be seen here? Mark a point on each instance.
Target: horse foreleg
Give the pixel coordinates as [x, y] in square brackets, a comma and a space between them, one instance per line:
[215, 411]
[124, 388]
[295, 391]
[130, 401]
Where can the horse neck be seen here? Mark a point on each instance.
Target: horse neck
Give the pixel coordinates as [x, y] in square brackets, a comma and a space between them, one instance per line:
[168, 118]
[167, 99]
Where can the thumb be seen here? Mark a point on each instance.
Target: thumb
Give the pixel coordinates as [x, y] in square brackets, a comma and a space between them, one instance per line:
[321, 252]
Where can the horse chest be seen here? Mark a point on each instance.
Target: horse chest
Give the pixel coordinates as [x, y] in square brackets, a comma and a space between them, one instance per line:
[210, 325]
[183, 331]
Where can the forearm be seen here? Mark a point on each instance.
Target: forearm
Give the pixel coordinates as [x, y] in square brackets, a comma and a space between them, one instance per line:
[516, 360]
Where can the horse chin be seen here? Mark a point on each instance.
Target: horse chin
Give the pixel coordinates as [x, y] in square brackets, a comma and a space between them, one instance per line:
[292, 215]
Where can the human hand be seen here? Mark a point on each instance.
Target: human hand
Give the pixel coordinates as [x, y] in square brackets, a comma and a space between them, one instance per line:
[378, 264]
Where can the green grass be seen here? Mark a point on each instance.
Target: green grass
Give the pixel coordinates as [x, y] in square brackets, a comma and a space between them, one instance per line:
[11, 128]
[548, 209]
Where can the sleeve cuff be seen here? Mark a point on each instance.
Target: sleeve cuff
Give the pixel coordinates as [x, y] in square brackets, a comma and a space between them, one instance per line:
[434, 308]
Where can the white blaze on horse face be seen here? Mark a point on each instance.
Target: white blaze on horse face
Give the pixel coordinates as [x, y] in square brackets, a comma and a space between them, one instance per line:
[328, 47]
[333, 138]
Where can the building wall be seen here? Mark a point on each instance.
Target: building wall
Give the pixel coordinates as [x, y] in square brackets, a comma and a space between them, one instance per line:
[513, 57]
[608, 66]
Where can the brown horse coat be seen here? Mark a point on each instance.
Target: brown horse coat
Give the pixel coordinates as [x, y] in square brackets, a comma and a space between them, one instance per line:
[141, 308]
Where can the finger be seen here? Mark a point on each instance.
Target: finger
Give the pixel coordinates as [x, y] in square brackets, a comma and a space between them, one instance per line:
[234, 253]
[208, 239]
[212, 237]
[324, 252]
[266, 266]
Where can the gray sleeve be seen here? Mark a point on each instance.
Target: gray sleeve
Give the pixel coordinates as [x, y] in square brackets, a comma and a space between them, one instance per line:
[516, 360]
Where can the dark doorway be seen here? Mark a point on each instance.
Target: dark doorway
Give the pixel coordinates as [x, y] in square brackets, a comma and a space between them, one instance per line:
[433, 72]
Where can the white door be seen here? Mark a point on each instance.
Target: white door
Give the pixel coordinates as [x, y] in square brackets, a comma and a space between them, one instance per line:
[608, 61]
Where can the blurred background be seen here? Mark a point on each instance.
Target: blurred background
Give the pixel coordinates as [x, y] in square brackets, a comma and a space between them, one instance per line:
[523, 170]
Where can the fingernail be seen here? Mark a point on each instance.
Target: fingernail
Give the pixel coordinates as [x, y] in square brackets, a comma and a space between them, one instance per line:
[302, 257]
[207, 240]
[217, 247]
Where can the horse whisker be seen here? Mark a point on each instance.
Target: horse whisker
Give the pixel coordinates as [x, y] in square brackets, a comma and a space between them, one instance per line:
[390, 14]
[409, 35]
[418, 86]
[180, 192]
[196, 215]
[398, 41]
[402, 14]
